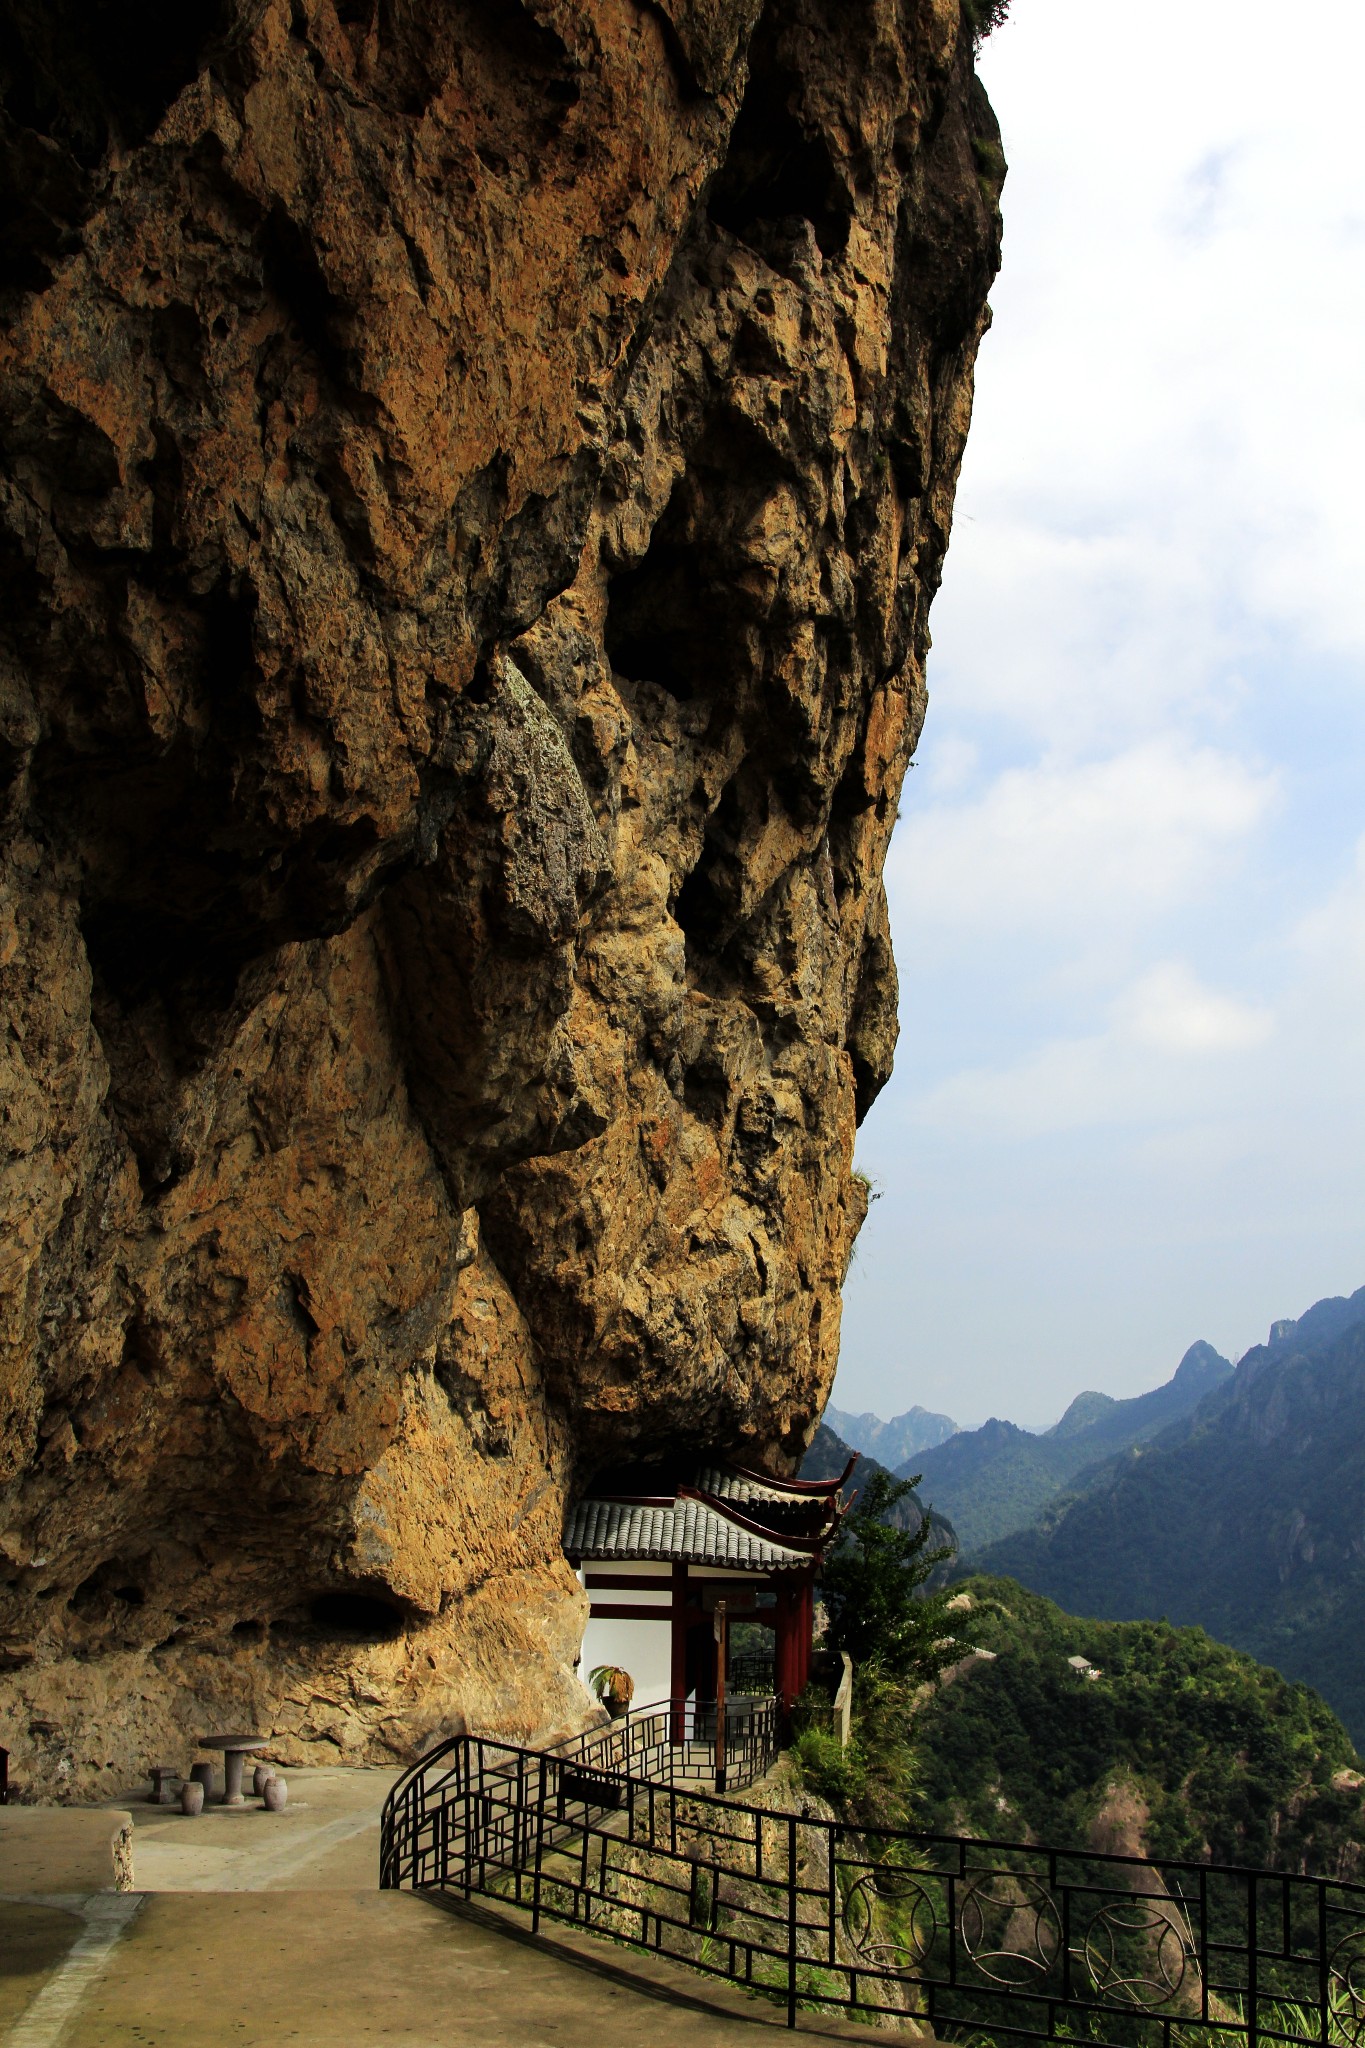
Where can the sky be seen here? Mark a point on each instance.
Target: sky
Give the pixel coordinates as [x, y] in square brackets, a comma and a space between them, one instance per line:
[1128, 882]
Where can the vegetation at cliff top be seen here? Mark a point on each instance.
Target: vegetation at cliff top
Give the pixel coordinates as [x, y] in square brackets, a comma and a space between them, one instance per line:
[983, 16]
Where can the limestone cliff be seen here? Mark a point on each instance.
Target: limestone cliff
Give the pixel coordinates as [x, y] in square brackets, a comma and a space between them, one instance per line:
[475, 476]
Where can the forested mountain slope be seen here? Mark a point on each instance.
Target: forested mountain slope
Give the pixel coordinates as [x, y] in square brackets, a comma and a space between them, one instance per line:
[1248, 1518]
[1177, 1746]
[996, 1479]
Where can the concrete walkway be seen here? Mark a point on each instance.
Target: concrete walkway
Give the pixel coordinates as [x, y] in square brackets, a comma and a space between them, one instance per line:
[256, 1929]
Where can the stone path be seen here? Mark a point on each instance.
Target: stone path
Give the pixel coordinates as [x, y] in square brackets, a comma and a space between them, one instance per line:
[256, 1929]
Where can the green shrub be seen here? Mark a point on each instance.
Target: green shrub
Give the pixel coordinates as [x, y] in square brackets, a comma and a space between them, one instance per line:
[873, 1587]
[871, 1784]
[828, 1769]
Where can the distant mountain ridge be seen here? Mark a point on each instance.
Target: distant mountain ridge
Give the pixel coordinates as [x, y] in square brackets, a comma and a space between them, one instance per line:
[1245, 1516]
[998, 1478]
[891, 1443]
[1101, 1419]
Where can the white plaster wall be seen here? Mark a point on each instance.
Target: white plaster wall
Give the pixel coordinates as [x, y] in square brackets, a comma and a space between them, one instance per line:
[643, 1648]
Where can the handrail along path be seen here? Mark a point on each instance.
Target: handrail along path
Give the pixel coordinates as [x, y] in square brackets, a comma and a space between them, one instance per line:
[621, 1830]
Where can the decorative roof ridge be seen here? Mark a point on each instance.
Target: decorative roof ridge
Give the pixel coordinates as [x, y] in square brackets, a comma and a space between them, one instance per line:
[801, 1488]
[787, 1539]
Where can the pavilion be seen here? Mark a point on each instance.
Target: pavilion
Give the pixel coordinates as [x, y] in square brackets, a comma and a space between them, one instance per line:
[659, 1548]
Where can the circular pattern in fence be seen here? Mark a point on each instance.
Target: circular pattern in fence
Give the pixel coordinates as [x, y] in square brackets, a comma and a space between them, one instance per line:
[1137, 1953]
[889, 1919]
[1346, 1989]
[1010, 1928]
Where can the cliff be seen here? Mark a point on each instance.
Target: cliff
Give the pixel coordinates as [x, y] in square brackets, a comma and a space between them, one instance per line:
[475, 478]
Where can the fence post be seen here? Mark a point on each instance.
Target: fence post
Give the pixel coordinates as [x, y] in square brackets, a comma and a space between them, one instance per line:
[843, 1702]
[722, 1635]
[467, 1812]
[791, 1921]
[540, 1845]
[1253, 2002]
[832, 1834]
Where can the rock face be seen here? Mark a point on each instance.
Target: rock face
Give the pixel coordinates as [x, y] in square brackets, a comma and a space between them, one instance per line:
[475, 476]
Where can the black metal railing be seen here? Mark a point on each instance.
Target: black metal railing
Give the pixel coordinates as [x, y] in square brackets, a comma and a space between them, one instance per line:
[619, 1831]
[470, 1781]
[674, 1743]
[751, 1672]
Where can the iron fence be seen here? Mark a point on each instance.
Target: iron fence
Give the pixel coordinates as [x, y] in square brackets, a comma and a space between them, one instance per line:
[469, 1782]
[673, 1742]
[750, 1671]
[621, 1832]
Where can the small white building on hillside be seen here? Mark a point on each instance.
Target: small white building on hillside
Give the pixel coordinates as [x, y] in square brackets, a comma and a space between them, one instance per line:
[657, 1553]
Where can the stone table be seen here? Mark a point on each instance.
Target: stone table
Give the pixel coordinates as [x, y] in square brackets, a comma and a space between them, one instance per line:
[236, 1749]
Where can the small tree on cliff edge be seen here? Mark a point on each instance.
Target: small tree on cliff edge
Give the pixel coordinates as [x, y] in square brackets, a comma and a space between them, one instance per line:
[982, 17]
[871, 1585]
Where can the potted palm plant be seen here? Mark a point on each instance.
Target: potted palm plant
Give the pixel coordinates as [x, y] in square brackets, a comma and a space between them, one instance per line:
[614, 1687]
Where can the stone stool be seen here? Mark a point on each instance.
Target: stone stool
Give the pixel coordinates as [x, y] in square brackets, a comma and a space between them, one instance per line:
[202, 1774]
[164, 1780]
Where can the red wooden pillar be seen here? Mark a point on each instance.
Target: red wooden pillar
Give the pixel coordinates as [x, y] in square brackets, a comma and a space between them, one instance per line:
[677, 1680]
[785, 1669]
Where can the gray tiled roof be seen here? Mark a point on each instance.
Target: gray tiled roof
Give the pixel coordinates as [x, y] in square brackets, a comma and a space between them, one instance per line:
[738, 1487]
[680, 1530]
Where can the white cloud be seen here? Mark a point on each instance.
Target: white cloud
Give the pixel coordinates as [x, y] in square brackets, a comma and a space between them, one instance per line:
[1170, 1010]
[1087, 638]
[1167, 444]
[1065, 845]
[1150, 1064]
